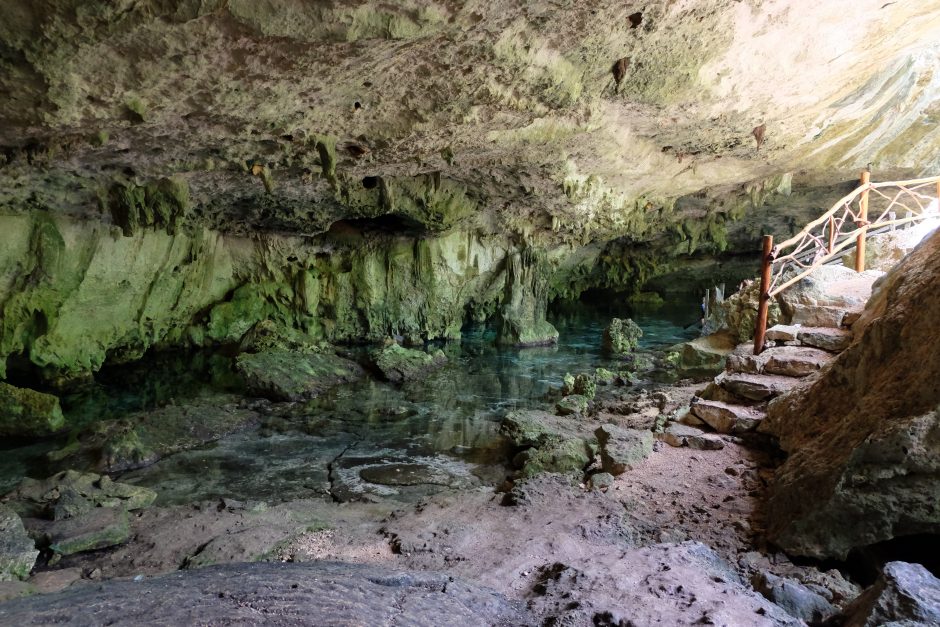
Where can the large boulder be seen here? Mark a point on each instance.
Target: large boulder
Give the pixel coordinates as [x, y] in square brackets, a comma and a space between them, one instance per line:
[864, 438]
[17, 551]
[621, 448]
[905, 595]
[27, 413]
[283, 375]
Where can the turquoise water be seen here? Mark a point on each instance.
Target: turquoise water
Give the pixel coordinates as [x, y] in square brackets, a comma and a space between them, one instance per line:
[408, 440]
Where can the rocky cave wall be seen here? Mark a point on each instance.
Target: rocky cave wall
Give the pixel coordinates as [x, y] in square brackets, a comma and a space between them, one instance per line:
[174, 172]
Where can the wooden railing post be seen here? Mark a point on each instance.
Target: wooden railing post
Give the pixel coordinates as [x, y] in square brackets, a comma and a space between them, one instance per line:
[763, 307]
[863, 224]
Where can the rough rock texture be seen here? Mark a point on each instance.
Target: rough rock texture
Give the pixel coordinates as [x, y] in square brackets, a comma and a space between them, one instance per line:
[43, 498]
[400, 364]
[621, 336]
[142, 438]
[404, 167]
[17, 550]
[864, 439]
[97, 528]
[550, 443]
[282, 594]
[795, 598]
[904, 595]
[27, 413]
[621, 449]
[283, 375]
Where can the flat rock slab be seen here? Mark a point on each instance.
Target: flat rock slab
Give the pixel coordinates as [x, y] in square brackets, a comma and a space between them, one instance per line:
[756, 387]
[833, 340]
[726, 417]
[317, 593]
[679, 435]
[818, 316]
[783, 332]
[99, 528]
[283, 375]
[143, 438]
[794, 361]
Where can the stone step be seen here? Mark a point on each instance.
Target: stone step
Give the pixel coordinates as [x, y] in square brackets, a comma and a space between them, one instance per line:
[725, 417]
[818, 316]
[756, 387]
[790, 361]
[832, 340]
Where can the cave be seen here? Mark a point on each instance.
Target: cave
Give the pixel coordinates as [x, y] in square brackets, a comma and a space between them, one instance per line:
[425, 312]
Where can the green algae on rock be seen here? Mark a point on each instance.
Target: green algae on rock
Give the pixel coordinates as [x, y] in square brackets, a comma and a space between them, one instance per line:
[40, 498]
[98, 528]
[143, 438]
[622, 336]
[27, 413]
[283, 375]
[399, 364]
[17, 551]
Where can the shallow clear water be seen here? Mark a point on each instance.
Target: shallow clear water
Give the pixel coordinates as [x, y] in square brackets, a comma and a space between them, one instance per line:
[368, 440]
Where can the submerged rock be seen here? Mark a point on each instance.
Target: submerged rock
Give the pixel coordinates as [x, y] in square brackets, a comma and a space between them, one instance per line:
[27, 413]
[146, 437]
[70, 491]
[399, 364]
[621, 337]
[283, 375]
[864, 439]
[17, 551]
[313, 593]
[905, 595]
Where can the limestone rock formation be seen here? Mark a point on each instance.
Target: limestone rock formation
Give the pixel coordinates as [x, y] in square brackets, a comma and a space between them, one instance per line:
[185, 170]
[43, 498]
[283, 375]
[25, 412]
[319, 592]
[17, 551]
[621, 336]
[144, 437]
[905, 594]
[399, 364]
[863, 444]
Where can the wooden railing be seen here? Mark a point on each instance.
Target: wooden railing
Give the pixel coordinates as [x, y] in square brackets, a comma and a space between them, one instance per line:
[825, 239]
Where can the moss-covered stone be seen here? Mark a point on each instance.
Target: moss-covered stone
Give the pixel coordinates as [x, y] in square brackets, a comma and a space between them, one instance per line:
[143, 438]
[27, 413]
[283, 375]
[572, 404]
[558, 455]
[40, 498]
[17, 551]
[98, 528]
[622, 336]
[399, 364]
